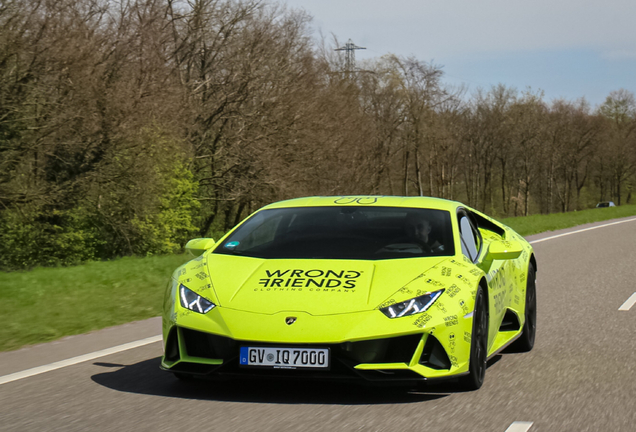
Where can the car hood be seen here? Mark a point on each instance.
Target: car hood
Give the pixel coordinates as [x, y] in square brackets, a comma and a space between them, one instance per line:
[318, 287]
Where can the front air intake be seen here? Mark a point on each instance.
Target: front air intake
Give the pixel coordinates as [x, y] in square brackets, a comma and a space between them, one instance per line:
[206, 345]
[172, 346]
[389, 350]
[434, 355]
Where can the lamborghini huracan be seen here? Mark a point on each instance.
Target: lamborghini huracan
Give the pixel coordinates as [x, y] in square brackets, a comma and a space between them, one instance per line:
[367, 288]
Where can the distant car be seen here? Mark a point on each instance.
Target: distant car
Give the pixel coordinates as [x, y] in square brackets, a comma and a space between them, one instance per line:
[605, 204]
[404, 289]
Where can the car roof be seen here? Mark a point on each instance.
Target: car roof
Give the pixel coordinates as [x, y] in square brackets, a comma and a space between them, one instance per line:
[368, 200]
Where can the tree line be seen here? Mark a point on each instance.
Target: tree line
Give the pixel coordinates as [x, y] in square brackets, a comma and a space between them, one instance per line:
[129, 126]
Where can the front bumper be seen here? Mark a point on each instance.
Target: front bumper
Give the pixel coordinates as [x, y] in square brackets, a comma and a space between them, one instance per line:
[364, 346]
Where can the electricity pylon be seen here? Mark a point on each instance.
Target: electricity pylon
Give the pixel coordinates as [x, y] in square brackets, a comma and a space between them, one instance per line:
[350, 53]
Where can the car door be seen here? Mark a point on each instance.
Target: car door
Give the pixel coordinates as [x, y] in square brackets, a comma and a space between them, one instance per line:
[475, 248]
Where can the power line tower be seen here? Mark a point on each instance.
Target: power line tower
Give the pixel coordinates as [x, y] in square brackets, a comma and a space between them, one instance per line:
[350, 53]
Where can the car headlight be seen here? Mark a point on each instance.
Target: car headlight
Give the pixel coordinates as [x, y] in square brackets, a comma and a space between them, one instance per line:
[412, 306]
[193, 301]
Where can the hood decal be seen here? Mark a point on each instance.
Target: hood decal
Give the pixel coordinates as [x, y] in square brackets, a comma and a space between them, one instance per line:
[313, 278]
[317, 286]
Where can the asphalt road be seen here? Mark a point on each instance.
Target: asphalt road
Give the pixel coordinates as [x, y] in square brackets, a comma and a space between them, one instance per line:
[581, 375]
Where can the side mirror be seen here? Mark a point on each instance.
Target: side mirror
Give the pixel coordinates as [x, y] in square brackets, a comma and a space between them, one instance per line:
[199, 245]
[504, 250]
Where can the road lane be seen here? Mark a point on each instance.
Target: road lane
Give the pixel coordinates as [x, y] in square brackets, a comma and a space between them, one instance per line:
[579, 377]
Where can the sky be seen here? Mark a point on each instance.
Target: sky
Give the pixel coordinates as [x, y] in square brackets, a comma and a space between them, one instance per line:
[566, 48]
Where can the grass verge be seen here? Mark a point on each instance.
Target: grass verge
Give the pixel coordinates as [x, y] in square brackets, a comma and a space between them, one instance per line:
[48, 303]
[45, 304]
[528, 225]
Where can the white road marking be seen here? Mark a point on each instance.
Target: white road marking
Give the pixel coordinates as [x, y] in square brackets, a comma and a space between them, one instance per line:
[628, 303]
[581, 230]
[519, 426]
[79, 359]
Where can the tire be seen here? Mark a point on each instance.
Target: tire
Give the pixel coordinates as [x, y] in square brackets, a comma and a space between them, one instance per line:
[525, 342]
[479, 345]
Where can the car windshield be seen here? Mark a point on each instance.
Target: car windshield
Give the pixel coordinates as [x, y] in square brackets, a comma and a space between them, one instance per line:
[365, 233]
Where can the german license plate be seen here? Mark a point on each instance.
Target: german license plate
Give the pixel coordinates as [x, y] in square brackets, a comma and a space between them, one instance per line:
[285, 358]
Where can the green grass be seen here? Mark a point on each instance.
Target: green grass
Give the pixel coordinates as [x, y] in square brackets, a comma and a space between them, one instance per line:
[48, 303]
[535, 224]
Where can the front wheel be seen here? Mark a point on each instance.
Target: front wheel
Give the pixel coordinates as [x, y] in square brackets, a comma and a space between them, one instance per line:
[525, 342]
[479, 345]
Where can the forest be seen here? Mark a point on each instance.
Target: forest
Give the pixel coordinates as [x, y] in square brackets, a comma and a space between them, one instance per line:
[128, 127]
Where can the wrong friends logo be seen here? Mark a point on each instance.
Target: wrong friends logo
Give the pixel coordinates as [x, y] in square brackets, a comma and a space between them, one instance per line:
[316, 278]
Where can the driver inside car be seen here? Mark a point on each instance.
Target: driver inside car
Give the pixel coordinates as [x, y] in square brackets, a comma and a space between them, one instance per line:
[418, 230]
[416, 239]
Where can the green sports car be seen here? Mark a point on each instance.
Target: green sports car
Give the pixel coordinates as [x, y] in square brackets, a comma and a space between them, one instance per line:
[356, 287]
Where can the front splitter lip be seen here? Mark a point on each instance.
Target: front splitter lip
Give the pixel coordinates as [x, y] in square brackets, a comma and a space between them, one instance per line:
[318, 378]
[398, 382]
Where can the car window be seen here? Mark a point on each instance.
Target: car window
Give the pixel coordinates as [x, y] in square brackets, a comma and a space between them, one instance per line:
[263, 231]
[476, 233]
[470, 239]
[343, 232]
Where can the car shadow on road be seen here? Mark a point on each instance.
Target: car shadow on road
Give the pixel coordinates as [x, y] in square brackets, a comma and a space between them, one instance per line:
[449, 387]
[146, 378]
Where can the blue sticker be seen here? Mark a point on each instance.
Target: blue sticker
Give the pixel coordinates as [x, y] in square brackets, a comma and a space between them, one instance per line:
[231, 245]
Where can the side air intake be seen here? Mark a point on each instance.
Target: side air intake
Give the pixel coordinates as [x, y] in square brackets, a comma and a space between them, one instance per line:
[510, 322]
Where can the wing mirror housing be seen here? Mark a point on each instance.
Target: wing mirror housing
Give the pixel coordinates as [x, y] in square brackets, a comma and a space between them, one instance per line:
[197, 246]
[504, 250]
